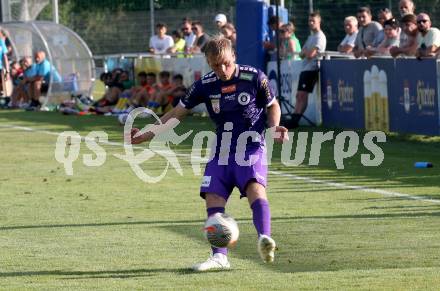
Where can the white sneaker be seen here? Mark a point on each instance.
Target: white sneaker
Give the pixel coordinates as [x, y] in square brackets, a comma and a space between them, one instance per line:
[266, 248]
[215, 262]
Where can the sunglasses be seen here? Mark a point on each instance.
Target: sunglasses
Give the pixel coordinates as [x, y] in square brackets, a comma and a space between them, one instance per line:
[194, 29]
[422, 21]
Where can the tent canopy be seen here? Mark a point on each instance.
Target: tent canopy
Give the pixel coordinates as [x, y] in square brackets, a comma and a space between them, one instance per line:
[68, 54]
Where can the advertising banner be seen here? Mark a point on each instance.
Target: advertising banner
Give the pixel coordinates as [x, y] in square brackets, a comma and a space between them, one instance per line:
[290, 71]
[414, 106]
[355, 93]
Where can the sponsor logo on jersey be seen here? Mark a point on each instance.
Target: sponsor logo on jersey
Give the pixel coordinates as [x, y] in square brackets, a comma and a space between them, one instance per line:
[206, 181]
[246, 76]
[244, 98]
[249, 69]
[216, 96]
[229, 89]
[209, 80]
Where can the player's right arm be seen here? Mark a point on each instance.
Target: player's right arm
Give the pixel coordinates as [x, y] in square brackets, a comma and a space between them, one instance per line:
[174, 115]
[192, 98]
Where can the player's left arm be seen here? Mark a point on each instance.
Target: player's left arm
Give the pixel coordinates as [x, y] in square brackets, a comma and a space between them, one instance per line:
[279, 133]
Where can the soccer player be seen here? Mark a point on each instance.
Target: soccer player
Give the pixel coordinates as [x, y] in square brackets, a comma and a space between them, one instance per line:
[239, 100]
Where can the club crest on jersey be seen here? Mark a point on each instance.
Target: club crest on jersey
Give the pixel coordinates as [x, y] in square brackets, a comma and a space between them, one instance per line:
[215, 103]
[229, 89]
[244, 98]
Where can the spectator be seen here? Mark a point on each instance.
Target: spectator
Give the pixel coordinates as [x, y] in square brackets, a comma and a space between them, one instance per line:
[39, 84]
[162, 98]
[179, 43]
[4, 35]
[429, 37]
[178, 90]
[406, 7]
[228, 30]
[391, 39]
[270, 43]
[289, 44]
[161, 42]
[4, 62]
[409, 28]
[201, 38]
[383, 15]
[21, 93]
[351, 30]
[315, 44]
[368, 31]
[188, 35]
[145, 93]
[220, 20]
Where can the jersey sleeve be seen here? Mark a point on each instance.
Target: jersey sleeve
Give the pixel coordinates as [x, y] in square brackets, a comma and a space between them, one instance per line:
[194, 96]
[265, 93]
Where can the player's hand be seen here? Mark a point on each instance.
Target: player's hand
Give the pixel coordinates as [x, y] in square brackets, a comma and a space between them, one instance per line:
[279, 133]
[137, 138]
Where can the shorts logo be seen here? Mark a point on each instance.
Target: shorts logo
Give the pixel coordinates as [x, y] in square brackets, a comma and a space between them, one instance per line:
[215, 105]
[244, 98]
[206, 181]
[229, 89]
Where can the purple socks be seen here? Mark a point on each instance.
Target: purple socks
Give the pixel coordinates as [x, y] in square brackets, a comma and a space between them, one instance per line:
[212, 211]
[261, 216]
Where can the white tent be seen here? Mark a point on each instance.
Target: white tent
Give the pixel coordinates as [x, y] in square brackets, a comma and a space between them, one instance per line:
[65, 50]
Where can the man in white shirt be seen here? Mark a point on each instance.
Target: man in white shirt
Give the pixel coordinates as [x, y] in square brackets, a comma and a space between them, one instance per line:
[351, 30]
[161, 42]
[188, 35]
[428, 38]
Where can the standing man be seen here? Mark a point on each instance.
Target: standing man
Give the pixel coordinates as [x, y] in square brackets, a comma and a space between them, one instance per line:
[161, 42]
[315, 44]
[409, 28]
[368, 32]
[188, 35]
[406, 7]
[240, 102]
[428, 38]
[201, 37]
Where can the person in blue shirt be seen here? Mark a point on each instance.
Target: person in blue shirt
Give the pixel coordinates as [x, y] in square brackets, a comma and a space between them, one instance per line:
[4, 65]
[45, 73]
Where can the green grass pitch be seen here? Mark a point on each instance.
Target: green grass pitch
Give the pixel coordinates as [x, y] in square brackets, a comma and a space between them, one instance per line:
[104, 229]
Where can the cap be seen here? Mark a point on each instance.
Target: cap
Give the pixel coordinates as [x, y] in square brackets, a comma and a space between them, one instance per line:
[220, 17]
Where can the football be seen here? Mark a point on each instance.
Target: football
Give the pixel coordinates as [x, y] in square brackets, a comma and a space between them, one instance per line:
[221, 230]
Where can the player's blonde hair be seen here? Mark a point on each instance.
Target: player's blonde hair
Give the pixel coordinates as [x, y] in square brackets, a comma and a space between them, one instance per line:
[218, 46]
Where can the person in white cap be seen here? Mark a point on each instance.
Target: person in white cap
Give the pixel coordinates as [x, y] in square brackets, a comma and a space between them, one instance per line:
[220, 20]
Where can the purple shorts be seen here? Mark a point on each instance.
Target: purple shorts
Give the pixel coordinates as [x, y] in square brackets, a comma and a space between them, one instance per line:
[221, 179]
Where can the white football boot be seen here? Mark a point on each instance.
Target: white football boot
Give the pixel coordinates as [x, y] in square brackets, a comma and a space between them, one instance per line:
[215, 262]
[266, 248]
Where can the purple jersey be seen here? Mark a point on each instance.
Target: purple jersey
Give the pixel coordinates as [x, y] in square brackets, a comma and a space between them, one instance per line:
[241, 101]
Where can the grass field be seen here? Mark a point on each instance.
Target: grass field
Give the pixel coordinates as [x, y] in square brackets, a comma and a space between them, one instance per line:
[104, 229]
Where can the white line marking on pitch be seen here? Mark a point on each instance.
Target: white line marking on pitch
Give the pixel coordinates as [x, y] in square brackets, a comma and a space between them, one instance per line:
[277, 173]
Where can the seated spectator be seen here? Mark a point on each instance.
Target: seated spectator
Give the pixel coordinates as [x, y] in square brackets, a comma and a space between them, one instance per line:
[383, 15]
[220, 21]
[351, 30]
[289, 44]
[228, 30]
[114, 89]
[179, 43]
[144, 94]
[161, 42]
[188, 35]
[406, 7]
[201, 38]
[21, 93]
[368, 31]
[391, 39]
[428, 38]
[161, 98]
[16, 73]
[39, 84]
[178, 90]
[409, 28]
